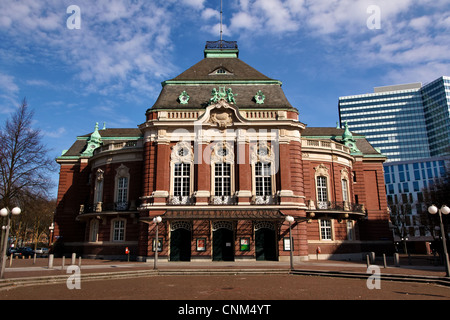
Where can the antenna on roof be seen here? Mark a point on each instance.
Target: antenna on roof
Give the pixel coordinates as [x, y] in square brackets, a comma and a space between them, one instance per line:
[221, 12]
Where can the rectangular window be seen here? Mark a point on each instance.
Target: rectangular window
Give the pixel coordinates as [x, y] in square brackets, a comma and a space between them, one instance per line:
[322, 189]
[344, 190]
[181, 185]
[94, 230]
[122, 190]
[99, 191]
[222, 179]
[263, 179]
[350, 230]
[119, 230]
[325, 229]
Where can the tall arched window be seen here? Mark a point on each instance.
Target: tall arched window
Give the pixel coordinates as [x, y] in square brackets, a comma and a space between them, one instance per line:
[181, 166]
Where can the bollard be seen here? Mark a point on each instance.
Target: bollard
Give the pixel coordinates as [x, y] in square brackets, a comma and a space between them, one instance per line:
[372, 257]
[79, 261]
[384, 260]
[74, 257]
[10, 261]
[368, 260]
[50, 261]
[63, 262]
[34, 258]
[396, 260]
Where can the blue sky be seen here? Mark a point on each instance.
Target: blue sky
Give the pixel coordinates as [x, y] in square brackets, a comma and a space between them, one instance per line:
[111, 68]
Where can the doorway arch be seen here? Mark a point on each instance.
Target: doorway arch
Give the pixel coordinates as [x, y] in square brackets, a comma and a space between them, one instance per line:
[223, 241]
[265, 241]
[180, 241]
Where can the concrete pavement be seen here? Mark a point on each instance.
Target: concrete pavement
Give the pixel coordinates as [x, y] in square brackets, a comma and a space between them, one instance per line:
[240, 280]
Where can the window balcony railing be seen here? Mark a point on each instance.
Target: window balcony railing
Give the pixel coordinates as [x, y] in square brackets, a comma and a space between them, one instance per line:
[181, 200]
[223, 200]
[341, 206]
[111, 206]
[267, 199]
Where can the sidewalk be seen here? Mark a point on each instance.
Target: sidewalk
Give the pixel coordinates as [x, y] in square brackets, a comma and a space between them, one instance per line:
[415, 266]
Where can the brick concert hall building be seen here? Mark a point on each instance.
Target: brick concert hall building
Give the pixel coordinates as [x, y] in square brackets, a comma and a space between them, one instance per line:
[222, 159]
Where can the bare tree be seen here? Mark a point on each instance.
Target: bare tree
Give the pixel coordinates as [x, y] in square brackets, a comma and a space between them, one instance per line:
[24, 160]
[399, 215]
[438, 194]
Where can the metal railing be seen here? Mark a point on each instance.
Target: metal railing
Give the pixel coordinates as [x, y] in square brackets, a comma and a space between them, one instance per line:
[344, 206]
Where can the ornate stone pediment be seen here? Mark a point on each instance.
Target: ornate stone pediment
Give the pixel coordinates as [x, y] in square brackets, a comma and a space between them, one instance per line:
[221, 114]
[222, 117]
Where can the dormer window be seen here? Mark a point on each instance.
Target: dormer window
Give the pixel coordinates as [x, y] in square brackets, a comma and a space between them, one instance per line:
[221, 71]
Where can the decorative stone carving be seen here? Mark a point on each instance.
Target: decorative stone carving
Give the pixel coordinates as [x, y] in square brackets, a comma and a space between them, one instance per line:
[182, 152]
[99, 175]
[180, 225]
[216, 225]
[264, 225]
[222, 152]
[262, 152]
[322, 170]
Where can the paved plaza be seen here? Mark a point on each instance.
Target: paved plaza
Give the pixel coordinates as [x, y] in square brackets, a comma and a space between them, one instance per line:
[222, 281]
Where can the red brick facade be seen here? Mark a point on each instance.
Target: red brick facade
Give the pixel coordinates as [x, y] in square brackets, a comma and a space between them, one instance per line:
[223, 175]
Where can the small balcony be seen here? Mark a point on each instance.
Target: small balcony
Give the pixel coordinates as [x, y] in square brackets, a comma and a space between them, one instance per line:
[266, 199]
[336, 207]
[180, 200]
[223, 200]
[108, 207]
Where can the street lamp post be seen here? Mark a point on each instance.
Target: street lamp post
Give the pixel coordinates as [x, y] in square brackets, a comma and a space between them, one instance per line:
[156, 220]
[6, 213]
[443, 210]
[290, 219]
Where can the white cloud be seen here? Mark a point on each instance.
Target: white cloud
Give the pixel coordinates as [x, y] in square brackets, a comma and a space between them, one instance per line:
[119, 41]
[9, 91]
[197, 4]
[58, 133]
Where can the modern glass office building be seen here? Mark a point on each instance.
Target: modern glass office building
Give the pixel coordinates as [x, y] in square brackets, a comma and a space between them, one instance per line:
[405, 122]
[410, 124]
[436, 104]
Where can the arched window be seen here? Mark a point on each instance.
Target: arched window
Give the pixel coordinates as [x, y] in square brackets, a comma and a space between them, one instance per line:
[181, 166]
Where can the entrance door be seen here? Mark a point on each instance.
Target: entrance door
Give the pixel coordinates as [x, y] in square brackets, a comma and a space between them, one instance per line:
[265, 244]
[223, 245]
[180, 245]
